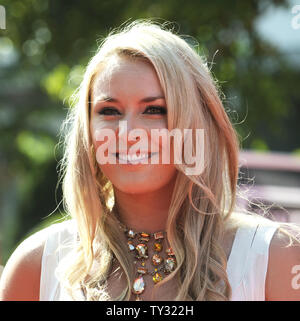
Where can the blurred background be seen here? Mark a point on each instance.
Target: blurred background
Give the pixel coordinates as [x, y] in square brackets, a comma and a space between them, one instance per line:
[254, 50]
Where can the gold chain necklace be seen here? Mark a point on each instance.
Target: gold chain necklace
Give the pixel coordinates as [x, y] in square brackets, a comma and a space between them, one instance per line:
[138, 244]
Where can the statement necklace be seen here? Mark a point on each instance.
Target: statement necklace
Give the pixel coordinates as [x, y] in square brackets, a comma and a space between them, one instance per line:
[138, 245]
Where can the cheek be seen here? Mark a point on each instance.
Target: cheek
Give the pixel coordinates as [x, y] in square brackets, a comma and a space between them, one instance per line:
[101, 133]
[100, 127]
[135, 180]
[149, 179]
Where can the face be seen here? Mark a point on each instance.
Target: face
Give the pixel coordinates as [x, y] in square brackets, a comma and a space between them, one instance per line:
[128, 91]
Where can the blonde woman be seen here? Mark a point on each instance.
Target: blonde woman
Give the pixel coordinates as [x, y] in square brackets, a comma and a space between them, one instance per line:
[151, 230]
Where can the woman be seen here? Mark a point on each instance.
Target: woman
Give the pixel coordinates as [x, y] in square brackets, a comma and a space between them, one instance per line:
[142, 228]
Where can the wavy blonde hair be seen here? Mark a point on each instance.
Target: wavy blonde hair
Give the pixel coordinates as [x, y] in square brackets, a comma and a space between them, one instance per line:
[200, 204]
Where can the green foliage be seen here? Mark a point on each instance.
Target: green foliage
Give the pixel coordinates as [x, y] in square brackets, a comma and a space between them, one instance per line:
[259, 145]
[55, 81]
[38, 149]
[43, 53]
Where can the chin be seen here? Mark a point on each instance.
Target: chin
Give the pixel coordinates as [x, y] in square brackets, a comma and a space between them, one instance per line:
[138, 188]
[140, 181]
[133, 189]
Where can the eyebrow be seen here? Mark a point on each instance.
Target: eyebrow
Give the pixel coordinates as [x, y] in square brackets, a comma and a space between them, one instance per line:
[113, 100]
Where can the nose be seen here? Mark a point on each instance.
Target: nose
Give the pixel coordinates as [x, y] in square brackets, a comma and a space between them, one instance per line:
[130, 131]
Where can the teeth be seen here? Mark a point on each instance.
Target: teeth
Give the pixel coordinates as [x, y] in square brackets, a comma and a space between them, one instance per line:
[132, 158]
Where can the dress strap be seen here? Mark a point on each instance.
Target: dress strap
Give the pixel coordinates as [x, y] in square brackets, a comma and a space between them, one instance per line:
[248, 263]
[48, 281]
[239, 254]
[60, 238]
[254, 279]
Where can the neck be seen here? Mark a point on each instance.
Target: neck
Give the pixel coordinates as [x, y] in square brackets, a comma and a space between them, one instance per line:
[144, 212]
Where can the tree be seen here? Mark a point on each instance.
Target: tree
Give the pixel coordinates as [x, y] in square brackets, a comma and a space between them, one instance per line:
[43, 53]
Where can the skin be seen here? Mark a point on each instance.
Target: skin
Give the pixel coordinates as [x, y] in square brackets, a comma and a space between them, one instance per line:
[143, 191]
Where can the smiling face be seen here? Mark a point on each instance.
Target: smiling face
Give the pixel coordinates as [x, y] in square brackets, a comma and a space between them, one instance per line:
[129, 90]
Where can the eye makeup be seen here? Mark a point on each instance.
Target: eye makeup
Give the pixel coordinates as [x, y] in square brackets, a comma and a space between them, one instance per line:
[150, 110]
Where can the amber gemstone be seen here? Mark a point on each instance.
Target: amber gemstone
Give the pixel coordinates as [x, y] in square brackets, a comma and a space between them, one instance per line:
[157, 277]
[144, 239]
[143, 234]
[138, 285]
[157, 246]
[142, 270]
[157, 259]
[158, 235]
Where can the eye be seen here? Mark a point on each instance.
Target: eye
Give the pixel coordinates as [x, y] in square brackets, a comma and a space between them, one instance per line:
[108, 111]
[153, 110]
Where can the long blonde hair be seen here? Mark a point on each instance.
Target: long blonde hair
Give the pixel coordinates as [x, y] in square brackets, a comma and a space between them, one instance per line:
[200, 203]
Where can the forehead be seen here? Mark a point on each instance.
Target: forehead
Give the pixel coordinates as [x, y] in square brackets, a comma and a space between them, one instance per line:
[126, 76]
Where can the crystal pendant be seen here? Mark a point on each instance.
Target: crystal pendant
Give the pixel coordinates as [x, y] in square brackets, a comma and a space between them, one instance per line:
[170, 265]
[138, 285]
[157, 259]
[169, 251]
[142, 251]
[131, 246]
[131, 234]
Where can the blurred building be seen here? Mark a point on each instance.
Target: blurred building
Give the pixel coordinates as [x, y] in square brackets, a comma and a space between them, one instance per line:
[272, 180]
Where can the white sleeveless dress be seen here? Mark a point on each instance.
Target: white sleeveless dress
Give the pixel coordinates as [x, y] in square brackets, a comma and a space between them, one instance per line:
[246, 268]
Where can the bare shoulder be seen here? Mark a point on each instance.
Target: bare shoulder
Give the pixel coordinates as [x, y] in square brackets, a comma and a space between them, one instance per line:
[283, 271]
[20, 280]
[283, 276]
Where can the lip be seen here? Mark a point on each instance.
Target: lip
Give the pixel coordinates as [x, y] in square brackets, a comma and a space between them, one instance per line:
[130, 152]
[132, 159]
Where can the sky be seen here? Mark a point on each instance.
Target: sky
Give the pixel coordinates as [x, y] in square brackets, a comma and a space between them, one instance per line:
[281, 27]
